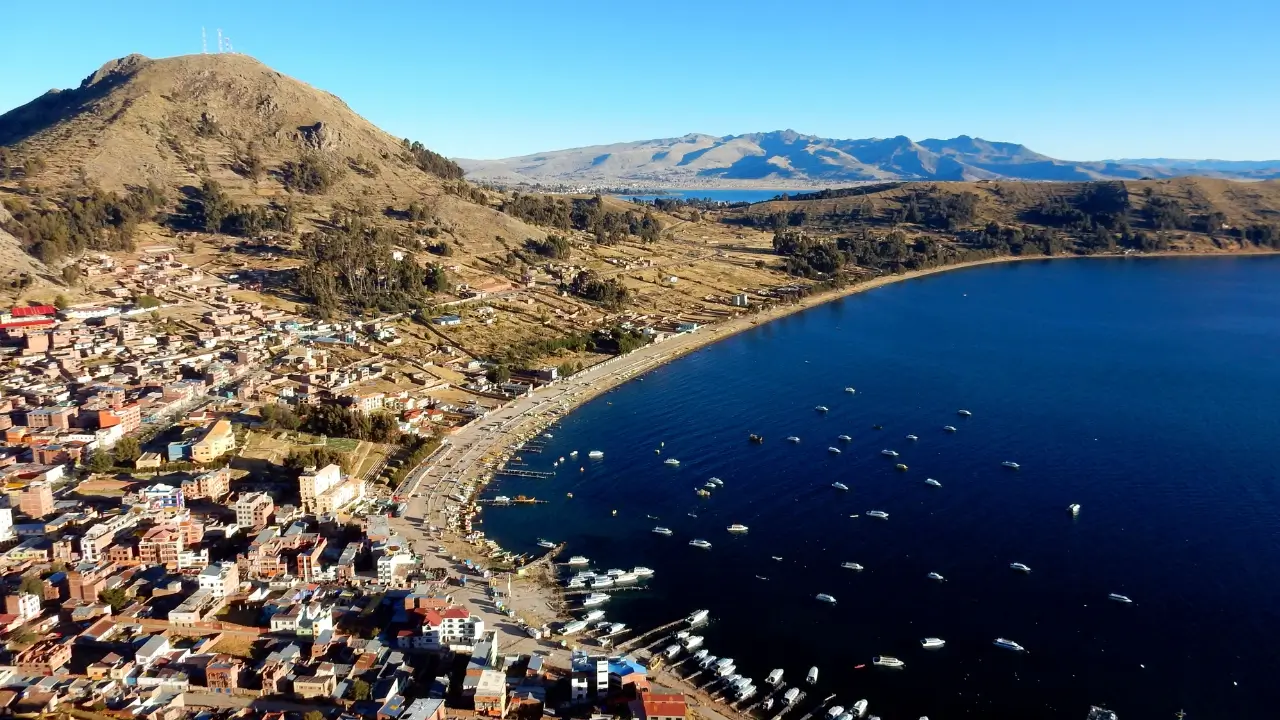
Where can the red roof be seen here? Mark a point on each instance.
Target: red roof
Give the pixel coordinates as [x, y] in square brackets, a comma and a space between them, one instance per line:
[34, 310]
[456, 613]
[663, 708]
[41, 322]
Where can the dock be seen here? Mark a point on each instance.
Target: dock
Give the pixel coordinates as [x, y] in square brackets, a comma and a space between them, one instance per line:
[640, 638]
[788, 708]
[517, 472]
[820, 707]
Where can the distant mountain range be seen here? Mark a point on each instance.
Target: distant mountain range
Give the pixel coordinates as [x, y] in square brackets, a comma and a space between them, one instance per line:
[790, 157]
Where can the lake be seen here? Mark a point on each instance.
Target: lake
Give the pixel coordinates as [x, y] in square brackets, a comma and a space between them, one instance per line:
[720, 195]
[1143, 389]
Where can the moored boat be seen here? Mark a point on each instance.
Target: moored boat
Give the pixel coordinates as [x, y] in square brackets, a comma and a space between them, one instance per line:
[642, 571]
[571, 628]
[878, 514]
[775, 676]
[851, 566]
[698, 617]
[823, 597]
[931, 481]
[1011, 464]
[833, 450]
[662, 531]
[1006, 644]
[812, 676]
[546, 544]
[839, 486]
[887, 661]
[1019, 567]
[932, 643]
[702, 544]
[737, 528]
[859, 709]
[1120, 598]
[595, 599]
[936, 577]
[578, 560]
[791, 696]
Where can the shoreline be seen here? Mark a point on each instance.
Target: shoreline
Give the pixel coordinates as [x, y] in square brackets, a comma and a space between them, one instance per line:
[555, 401]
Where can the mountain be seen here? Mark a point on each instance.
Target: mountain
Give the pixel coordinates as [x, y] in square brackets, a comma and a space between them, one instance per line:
[791, 158]
[1233, 169]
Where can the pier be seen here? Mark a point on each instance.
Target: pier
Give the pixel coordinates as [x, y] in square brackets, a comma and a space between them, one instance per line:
[821, 706]
[640, 638]
[788, 708]
[517, 472]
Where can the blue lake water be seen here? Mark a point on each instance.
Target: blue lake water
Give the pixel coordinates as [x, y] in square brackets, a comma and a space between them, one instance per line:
[727, 195]
[1145, 390]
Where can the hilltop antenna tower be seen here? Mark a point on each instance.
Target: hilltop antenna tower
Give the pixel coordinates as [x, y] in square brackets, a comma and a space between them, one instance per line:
[204, 42]
[219, 39]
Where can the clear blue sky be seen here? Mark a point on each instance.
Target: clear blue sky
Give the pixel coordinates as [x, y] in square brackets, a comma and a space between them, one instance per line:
[1078, 80]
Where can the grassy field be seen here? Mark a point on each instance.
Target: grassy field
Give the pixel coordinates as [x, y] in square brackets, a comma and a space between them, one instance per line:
[275, 447]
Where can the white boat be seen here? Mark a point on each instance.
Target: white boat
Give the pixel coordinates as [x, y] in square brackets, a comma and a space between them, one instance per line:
[912, 438]
[774, 677]
[963, 413]
[578, 560]
[546, 544]
[1019, 567]
[844, 438]
[835, 711]
[737, 528]
[595, 599]
[698, 617]
[700, 655]
[626, 578]
[833, 450]
[1008, 645]
[671, 651]
[900, 467]
[889, 453]
[595, 454]
[823, 597]
[887, 661]
[724, 662]
[859, 709]
[767, 705]
[662, 531]
[1073, 508]
[671, 461]
[851, 566]
[878, 514]
[576, 626]
[1011, 464]
[710, 486]
[850, 390]
[744, 691]
[502, 500]
[707, 662]
[727, 670]
[642, 571]
[602, 581]
[935, 576]
[615, 573]
[931, 481]
[821, 408]
[932, 643]
[1120, 598]
[793, 439]
[593, 616]
[812, 676]
[574, 454]
[948, 428]
[576, 583]
[615, 628]
[700, 544]
[839, 486]
[716, 481]
[789, 697]
[693, 642]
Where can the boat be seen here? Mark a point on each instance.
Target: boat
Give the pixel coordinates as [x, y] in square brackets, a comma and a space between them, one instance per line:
[931, 481]
[576, 583]
[593, 616]
[578, 560]
[601, 581]
[614, 513]
[844, 438]
[576, 626]
[833, 450]
[1073, 508]
[887, 661]
[889, 453]
[671, 461]
[615, 628]
[1011, 464]
[912, 438]
[882, 515]
[703, 492]
[1004, 644]
[703, 544]
[546, 544]
[693, 642]
[595, 599]
[744, 691]
[821, 408]
[850, 390]
[727, 670]
[625, 578]
[1120, 598]
[707, 661]
[932, 643]
[671, 651]
[716, 481]
[642, 571]
[698, 617]
[900, 467]
[710, 486]
[859, 709]
[662, 531]
[812, 676]
[767, 705]
[839, 486]
[700, 655]
[877, 426]
[791, 696]
[502, 500]
[823, 597]
[774, 677]
[595, 454]
[657, 451]
[724, 662]
[948, 428]
[834, 712]
[756, 439]
[1019, 567]
[963, 413]
[851, 566]
[777, 558]
[793, 439]
[935, 576]
[574, 453]
[737, 528]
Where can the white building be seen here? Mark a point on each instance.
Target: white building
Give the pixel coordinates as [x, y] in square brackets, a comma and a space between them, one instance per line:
[220, 580]
[28, 606]
[313, 483]
[392, 568]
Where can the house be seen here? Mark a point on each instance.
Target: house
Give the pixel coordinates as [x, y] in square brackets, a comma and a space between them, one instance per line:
[218, 440]
[659, 704]
[446, 320]
[220, 579]
[254, 510]
[490, 693]
[46, 657]
[424, 709]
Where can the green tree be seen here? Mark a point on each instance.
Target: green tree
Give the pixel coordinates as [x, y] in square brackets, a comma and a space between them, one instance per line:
[127, 450]
[115, 597]
[499, 374]
[60, 302]
[101, 462]
[31, 585]
[360, 689]
[313, 715]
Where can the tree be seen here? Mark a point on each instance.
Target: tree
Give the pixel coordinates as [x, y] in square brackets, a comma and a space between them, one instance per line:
[60, 302]
[313, 715]
[360, 689]
[101, 462]
[279, 416]
[499, 374]
[127, 450]
[115, 597]
[31, 585]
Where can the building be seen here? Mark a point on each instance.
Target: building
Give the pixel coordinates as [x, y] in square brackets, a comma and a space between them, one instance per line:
[446, 320]
[219, 440]
[222, 674]
[741, 300]
[424, 709]
[339, 496]
[589, 676]
[312, 483]
[490, 693]
[212, 485]
[46, 657]
[24, 605]
[221, 579]
[659, 704]
[161, 545]
[36, 500]
[254, 510]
